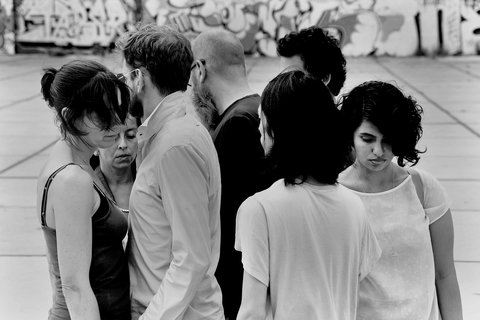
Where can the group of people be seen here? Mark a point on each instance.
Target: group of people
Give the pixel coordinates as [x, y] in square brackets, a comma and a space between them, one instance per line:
[212, 202]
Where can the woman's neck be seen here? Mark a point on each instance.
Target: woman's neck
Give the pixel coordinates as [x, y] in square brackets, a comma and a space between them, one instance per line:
[80, 152]
[116, 176]
[365, 180]
[365, 174]
[119, 184]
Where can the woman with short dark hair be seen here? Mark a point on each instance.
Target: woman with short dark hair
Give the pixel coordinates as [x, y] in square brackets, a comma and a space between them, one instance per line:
[115, 167]
[83, 229]
[408, 209]
[305, 241]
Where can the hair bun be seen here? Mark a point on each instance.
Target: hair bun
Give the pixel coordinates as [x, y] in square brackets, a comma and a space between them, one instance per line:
[46, 82]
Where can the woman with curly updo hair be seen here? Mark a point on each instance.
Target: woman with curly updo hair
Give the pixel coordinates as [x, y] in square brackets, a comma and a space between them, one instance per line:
[415, 277]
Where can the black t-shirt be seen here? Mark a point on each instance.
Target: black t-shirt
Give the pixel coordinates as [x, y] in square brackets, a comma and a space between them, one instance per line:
[241, 158]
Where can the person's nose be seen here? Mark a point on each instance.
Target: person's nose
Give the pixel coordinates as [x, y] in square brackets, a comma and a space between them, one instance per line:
[122, 142]
[378, 149]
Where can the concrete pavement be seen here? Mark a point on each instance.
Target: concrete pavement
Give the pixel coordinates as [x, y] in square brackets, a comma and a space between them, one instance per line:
[447, 88]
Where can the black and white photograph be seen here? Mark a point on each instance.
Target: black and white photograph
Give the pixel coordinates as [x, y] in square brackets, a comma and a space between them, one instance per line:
[240, 159]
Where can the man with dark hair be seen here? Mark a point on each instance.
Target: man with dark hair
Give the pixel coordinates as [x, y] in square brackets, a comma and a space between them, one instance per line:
[316, 52]
[174, 243]
[228, 107]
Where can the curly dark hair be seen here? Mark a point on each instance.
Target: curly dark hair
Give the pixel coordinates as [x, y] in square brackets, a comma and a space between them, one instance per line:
[163, 51]
[320, 53]
[397, 117]
[306, 126]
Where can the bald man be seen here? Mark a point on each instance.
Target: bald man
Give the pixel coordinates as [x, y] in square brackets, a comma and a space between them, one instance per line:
[228, 108]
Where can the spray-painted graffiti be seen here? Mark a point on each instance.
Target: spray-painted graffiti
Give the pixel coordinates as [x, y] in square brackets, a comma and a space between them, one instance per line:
[363, 26]
[470, 11]
[73, 22]
[7, 36]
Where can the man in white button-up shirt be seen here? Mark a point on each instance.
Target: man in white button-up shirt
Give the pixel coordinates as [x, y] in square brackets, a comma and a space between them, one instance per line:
[174, 241]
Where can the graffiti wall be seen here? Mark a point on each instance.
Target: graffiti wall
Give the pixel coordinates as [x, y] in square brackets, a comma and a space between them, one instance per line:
[470, 11]
[7, 35]
[364, 27]
[77, 23]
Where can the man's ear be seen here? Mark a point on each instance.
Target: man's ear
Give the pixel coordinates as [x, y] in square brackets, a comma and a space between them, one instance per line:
[201, 71]
[327, 79]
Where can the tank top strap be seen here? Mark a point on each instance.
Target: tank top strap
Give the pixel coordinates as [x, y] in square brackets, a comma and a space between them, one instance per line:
[99, 190]
[45, 193]
[103, 194]
[107, 195]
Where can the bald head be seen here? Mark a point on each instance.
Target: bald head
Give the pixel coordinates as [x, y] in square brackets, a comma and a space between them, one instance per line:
[222, 50]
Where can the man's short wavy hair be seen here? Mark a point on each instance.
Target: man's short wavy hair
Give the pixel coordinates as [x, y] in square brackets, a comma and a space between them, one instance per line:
[163, 51]
[320, 53]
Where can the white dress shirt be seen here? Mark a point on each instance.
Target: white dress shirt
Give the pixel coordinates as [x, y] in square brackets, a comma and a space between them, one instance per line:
[174, 242]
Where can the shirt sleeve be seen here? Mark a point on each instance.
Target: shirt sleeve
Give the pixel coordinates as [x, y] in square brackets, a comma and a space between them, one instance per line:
[370, 250]
[251, 238]
[183, 181]
[436, 202]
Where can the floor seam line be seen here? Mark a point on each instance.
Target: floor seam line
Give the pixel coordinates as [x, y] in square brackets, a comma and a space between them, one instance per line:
[14, 103]
[28, 157]
[434, 103]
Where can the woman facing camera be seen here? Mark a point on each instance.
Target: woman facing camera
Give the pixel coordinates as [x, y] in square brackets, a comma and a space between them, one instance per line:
[305, 241]
[115, 168]
[83, 229]
[407, 209]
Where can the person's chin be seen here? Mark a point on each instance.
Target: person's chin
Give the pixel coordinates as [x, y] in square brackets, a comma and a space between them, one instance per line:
[122, 162]
[377, 165]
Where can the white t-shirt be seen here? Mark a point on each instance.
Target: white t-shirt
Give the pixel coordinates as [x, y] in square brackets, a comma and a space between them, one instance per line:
[402, 283]
[311, 245]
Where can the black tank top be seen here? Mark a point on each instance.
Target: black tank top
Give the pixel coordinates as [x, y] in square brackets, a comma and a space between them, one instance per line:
[109, 267]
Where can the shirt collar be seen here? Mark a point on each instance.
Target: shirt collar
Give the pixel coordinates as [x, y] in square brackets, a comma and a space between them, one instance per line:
[171, 107]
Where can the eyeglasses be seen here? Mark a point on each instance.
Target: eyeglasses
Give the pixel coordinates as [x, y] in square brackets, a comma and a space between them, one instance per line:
[123, 77]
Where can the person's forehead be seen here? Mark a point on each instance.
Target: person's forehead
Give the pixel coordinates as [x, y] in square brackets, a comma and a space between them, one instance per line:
[368, 127]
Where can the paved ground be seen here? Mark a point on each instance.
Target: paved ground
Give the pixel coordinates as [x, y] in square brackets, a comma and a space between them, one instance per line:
[448, 89]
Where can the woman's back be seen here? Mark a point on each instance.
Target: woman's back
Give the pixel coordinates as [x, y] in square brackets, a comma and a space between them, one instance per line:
[313, 245]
